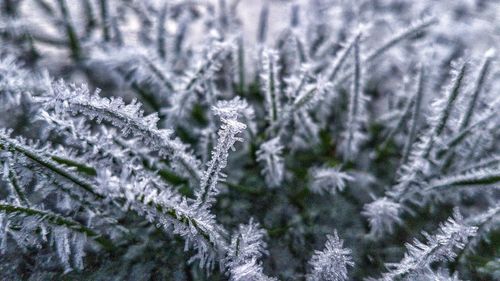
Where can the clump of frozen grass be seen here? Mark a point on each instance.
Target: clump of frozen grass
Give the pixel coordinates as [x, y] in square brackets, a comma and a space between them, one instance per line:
[209, 155]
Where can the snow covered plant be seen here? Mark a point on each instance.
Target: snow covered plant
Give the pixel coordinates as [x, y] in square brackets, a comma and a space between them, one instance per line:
[243, 140]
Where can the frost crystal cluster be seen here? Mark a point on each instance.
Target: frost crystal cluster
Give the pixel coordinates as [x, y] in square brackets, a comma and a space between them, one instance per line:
[332, 262]
[249, 140]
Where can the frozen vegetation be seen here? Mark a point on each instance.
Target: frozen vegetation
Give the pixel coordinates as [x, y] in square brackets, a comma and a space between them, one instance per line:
[315, 140]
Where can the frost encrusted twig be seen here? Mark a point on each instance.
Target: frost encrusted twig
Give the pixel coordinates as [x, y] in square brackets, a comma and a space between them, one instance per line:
[171, 212]
[415, 114]
[204, 71]
[207, 67]
[341, 58]
[331, 263]
[10, 177]
[485, 222]
[19, 147]
[484, 69]
[478, 177]
[452, 235]
[56, 220]
[303, 95]
[410, 31]
[442, 107]
[165, 208]
[228, 112]
[418, 165]
[247, 247]
[414, 28]
[68, 235]
[128, 117]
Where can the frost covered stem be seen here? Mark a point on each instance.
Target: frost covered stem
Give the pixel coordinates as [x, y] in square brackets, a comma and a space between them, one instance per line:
[49, 164]
[206, 67]
[58, 220]
[103, 5]
[415, 115]
[481, 177]
[227, 138]
[171, 212]
[88, 186]
[129, 118]
[270, 84]
[451, 235]
[162, 32]
[357, 80]
[263, 23]
[74, 43]
[477, 90]
[155, 69]
[440, 123]
[246, 248]
[342, 58]
[451, 100]
[13, 181]
[241, 63]
[403, 35]
[228, 112]
[354, 102]
[272, 92]
[461, 135]
[400, 37]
